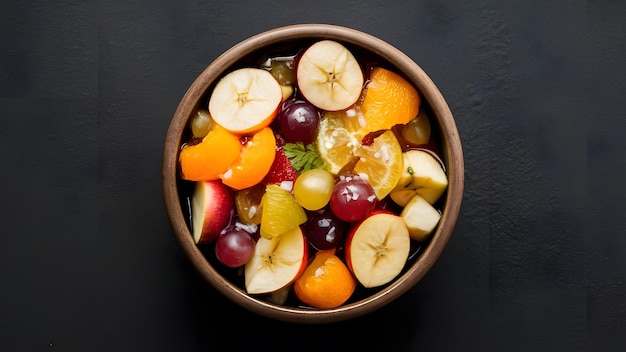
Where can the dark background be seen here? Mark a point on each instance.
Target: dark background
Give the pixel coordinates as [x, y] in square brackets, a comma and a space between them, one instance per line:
[88, 261]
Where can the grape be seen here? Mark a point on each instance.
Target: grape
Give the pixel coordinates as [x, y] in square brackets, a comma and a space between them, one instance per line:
[417, 131]
[248, 204]
[283, 72]
[234, 247]
[325, 230]
[313, 188]
[352, 199]
[201, 123]
[298, 121]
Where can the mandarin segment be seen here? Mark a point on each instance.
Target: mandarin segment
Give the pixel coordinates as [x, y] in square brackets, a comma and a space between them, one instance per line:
[254, 163]
[389, 99]
[200, 162]
[326, 282]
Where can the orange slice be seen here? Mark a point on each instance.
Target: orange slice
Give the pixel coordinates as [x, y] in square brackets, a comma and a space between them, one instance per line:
[382, 162]
[339, 143]
[254, 163]
[201, 162]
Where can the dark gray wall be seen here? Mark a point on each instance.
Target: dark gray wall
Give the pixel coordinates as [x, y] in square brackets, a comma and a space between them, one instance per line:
[88, 261]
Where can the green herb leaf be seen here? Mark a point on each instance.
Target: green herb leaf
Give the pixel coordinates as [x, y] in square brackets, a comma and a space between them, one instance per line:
[303, 157]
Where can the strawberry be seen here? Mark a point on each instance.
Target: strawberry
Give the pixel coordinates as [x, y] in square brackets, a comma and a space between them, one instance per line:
[281, 170]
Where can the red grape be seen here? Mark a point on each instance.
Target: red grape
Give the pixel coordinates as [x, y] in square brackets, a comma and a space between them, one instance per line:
[234, 247]
[324, 230]
[298, 121]
[352, 199]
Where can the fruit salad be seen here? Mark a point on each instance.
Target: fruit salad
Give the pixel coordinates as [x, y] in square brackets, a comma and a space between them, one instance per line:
[312, 178]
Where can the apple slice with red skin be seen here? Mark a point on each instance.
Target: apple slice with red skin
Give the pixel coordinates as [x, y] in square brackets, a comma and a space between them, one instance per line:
[377, 248]
[276, 262]
[246, 100]
[211, 210]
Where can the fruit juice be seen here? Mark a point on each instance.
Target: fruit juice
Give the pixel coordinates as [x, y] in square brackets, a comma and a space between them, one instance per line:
[291, 52]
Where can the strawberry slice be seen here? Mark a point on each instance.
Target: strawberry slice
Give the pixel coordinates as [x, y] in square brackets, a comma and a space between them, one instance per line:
[281, 169]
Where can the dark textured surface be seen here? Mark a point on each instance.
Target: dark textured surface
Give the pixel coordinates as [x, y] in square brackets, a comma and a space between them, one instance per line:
[88, 261]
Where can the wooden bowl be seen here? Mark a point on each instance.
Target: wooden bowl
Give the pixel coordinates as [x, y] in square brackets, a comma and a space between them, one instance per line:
[441, 118]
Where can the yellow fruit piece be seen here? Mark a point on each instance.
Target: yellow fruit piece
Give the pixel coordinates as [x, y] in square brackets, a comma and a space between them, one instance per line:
[337, 139]
[248, 204]
[281, 212]
[382, 162]
[326, 282]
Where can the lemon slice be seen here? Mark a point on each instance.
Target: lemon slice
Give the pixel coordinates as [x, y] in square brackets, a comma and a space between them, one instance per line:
[335, 142]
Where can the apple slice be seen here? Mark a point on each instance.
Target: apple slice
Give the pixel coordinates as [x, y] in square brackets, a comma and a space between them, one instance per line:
[329, 76]
[427, 178]
[377, 248]
[211, 207]
[277, 262]
[420, 217]
[245, 100]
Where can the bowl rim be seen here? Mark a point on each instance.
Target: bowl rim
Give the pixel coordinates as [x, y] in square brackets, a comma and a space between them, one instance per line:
[451, 147]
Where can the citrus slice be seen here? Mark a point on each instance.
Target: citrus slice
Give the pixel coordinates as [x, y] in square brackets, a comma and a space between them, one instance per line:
[281, 212]
[339, 142]
[326, 282]
[336, 139]
[382, 162]
[388, 100]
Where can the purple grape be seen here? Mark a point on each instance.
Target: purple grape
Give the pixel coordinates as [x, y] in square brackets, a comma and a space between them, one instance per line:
[325, 230]
[298, 121]
[352, 199]
[234, 247]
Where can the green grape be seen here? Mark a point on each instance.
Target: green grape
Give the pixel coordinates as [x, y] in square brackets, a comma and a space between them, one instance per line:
[201, 123]
[417, 131]
[283, 72]
[313, 188]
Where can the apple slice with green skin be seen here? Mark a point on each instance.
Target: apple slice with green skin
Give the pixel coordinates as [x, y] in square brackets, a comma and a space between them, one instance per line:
[245, 100]
[421, 218]
[377, 248]
[211, 210]
[276, 262]
[422, 175]
[329, 76]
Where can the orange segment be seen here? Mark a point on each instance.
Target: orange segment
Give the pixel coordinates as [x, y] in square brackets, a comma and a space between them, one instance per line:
[254, 163]
[326, 282]
[389, 100]
[382, 162]
[201, 162]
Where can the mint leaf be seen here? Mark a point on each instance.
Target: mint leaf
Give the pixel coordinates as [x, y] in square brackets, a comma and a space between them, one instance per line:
[303, 157]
